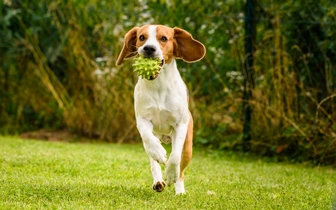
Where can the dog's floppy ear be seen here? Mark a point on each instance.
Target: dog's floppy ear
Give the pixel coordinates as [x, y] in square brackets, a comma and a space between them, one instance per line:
[186, 47]
[129, 49]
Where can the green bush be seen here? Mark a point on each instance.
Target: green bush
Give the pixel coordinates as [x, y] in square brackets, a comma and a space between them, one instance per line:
[57, 71]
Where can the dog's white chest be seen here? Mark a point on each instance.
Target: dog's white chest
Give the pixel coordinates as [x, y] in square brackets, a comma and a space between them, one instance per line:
[164, 111]
[162, 102]
[163, 120]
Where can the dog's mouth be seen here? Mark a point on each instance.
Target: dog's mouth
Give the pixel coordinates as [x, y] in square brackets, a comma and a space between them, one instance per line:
[159, 70]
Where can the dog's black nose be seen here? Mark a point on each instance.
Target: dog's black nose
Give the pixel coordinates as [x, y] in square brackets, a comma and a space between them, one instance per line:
[149, 49]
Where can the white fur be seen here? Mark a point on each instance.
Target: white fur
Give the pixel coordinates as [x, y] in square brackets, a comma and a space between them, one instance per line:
[161, 108]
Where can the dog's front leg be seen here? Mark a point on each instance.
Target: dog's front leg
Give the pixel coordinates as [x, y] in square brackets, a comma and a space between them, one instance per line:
[172, 170]
[151, 143]
[158, 184]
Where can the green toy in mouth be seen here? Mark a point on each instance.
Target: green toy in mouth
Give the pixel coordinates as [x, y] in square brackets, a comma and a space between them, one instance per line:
[147, 68]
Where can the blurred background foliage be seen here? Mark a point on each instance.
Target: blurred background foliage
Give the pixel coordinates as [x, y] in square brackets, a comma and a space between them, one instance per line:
[57, 71]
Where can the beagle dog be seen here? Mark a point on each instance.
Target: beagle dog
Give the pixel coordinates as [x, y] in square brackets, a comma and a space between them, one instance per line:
[161, 102]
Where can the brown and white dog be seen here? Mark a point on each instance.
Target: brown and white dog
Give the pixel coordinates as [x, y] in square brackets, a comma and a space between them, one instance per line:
[161, 103]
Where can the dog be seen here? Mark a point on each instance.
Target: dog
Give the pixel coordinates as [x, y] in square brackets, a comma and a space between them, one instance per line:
[161, 102]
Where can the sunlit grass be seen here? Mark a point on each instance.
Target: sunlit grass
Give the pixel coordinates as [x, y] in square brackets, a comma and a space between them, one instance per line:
[56, 175]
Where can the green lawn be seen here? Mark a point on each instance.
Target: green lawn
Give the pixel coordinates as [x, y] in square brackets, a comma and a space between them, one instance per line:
[55, 175]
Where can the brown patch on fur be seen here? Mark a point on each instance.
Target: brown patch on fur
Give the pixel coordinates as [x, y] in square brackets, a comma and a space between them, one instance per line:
[187, 148]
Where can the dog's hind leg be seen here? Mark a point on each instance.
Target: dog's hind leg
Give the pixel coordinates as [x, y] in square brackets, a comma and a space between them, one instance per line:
[186, 157]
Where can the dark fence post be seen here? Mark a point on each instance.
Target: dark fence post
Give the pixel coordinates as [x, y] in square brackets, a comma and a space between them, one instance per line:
[250, 33]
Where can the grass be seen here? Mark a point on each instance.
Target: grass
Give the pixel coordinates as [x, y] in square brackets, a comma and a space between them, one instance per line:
[56, 175]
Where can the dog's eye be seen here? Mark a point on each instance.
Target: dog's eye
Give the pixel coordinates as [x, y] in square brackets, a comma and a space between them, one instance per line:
[142, 37]
[164, 39]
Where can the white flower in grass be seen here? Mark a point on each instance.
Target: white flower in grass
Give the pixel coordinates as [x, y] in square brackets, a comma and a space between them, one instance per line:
[210, 192]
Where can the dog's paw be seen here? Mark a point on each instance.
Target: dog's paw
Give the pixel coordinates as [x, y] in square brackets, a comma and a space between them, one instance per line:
[157, 152]
[179, 187]
[159, 186]
[171, 174]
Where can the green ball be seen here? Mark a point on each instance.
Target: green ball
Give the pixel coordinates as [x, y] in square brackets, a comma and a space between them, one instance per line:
[147, 67]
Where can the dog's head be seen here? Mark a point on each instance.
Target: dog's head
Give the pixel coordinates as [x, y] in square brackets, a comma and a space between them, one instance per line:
[161, 42]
